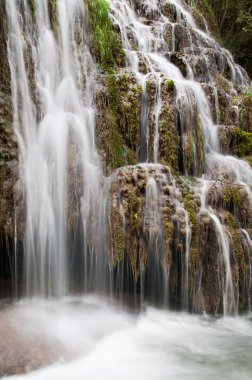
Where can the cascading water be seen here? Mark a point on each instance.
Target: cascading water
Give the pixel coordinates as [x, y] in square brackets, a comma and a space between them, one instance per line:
[142, 235]
[191, 100]
[53, 79]
[54, 121]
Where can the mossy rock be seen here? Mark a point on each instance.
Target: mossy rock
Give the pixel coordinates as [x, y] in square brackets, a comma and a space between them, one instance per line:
[105, 42]
[192, 210]
[4, 68]
[235, 141]
[168, 139]
[53, 9]
[125, 105]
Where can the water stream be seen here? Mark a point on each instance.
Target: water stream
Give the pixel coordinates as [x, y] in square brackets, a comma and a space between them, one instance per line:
[63, 75]
[156, 344]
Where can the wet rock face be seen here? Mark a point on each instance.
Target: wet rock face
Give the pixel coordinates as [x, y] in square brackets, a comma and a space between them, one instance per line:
[140, 201]
[4, 69]
[148, 231]
[9, 193]
[169, 245]
[168, 142]
[211, 284]
[118, 105]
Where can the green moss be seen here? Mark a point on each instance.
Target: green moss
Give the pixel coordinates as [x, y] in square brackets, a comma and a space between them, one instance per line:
[4, 67]
[232, 196]
[115, 145]
[236, 141]
[148, 86]
[130, 115]
[225, 84]
[52, 9]
[194, 148]
[191, 209]
[247, 102]
[170, 85]
[117, 236]
[139, 89]
[237, 245]
[33, 6]
[105, 42]
[199, 140]
[134, 219]
[189, 150]
[134, 226]
[168, 139]
[248, 159]
[124, 80]
[168, 38]
[244, 142]
[113, 92]
[123, 117]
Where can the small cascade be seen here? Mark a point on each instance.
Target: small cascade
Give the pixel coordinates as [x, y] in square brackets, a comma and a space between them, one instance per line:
[156, 118]
[191, 100]
[148, 214]
[229, 303]
[155, 234]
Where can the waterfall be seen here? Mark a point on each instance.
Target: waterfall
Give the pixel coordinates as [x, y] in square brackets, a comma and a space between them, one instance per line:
[81, 227]
[52, 78]
[151, 44]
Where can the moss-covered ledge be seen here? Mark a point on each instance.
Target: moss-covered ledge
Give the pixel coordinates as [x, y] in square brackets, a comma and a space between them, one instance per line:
[105, 42]
[235, 141]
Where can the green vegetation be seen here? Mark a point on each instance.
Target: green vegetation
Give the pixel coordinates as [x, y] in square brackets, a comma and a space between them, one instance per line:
[244, 142]
[148, 86]
[117, 235]
[32, 5]
[134, 226]
[194, 148]
[232, 196]
[105, 43]
[125, 103]
[170, 85]
[52, 9]
[4, 69]
[115, 138]
[168, 138]
[191, 209]
[236, 140]
[231, 22]
[246, 111]
[237, 246]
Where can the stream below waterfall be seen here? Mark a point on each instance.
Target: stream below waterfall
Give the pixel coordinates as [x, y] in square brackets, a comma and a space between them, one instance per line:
[93, 338]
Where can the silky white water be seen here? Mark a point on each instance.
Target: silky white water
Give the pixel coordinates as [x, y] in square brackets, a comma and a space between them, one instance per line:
[54, 122]
[94, 339]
